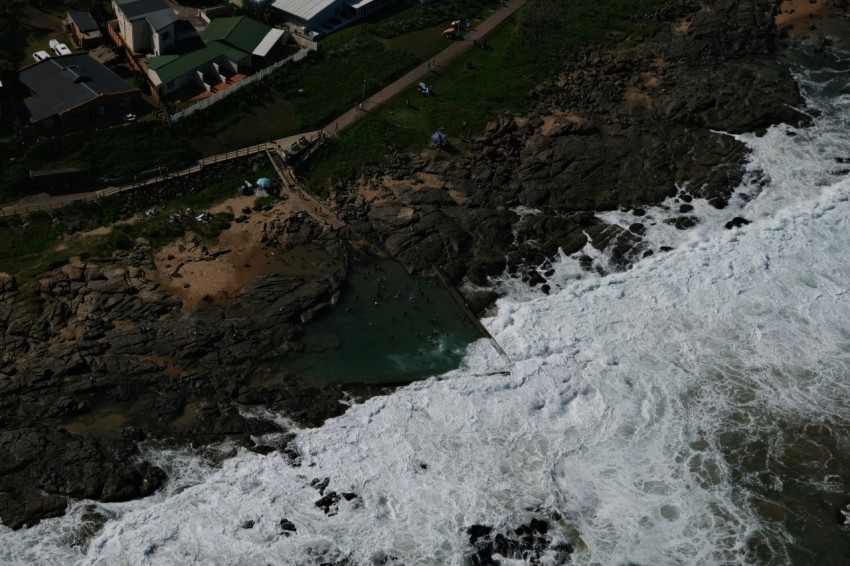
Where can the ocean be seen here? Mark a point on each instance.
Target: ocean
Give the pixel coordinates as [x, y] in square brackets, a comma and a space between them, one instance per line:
[692, 410]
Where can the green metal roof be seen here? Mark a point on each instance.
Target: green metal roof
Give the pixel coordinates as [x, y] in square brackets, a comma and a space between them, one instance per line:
[234, 37]
[239, 31]
[171, 67]
[160, 61]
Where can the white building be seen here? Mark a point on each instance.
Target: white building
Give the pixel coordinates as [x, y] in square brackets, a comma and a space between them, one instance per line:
[326, 15]
[228, 45]
[147, 26]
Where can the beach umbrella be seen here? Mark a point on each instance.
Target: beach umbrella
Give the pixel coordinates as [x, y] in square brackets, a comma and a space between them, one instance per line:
[264, 182]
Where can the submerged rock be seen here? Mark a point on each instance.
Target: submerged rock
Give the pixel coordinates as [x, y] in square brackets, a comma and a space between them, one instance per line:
[528, 542]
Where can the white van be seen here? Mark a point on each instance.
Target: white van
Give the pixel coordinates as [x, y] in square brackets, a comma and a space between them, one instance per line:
[40, 56]
[61, 49]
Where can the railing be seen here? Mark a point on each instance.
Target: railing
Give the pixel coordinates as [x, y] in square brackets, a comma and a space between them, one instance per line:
[199, 165]
[36, 207]
[231, 89]
[162, 175]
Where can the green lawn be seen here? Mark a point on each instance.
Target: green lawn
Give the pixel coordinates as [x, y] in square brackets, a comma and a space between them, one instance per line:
[288, 102]
[464, 100]
[37, 39]
[367, 141]
[462, 103]
[422, 44]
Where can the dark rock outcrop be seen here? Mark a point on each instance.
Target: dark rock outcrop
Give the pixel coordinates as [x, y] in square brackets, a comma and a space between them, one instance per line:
[620, 128]
[103, 349]
[528, 542]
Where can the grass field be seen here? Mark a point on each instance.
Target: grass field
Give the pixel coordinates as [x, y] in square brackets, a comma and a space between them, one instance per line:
[471, 90]
[296, 99]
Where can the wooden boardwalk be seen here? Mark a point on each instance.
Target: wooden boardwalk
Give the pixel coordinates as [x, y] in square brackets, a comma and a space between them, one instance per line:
[314, 205]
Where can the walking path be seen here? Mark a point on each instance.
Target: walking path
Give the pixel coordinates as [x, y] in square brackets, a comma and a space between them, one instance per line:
[46, 202]
[445, 56]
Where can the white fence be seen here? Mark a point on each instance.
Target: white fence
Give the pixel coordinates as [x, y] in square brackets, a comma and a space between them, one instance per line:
[246, 81]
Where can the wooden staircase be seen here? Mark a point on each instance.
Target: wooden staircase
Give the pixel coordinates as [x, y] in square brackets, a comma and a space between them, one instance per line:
[283, 170]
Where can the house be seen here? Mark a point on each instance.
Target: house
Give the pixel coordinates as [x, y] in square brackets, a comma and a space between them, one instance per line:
[146, 26]
[325, 15]
[82, 29]
[72, 91]
[228, 45]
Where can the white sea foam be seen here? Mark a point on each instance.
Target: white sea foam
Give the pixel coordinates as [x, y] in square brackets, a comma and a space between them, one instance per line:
[619, 393]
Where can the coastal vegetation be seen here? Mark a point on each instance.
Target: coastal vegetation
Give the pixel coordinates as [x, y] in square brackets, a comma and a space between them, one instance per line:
[468, 92]
[288, 102]
[360, 59]
[33, 244]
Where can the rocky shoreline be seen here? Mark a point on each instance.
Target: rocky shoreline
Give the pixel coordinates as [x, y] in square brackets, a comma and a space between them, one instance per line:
[619, 129]
[97, 356]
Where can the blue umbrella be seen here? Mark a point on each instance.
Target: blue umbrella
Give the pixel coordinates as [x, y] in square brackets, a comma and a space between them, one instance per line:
[439, 136]
[264, 182]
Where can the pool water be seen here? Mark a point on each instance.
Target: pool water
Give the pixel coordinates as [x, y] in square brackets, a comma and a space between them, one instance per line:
[388, 327]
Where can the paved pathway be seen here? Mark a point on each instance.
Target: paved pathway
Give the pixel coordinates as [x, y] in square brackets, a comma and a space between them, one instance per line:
[446, 55]
[45, 201]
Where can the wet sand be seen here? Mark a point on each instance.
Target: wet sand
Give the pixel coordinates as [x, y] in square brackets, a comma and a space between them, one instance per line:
[798, 15]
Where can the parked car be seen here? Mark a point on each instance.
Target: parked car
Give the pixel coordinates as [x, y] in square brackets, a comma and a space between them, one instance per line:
[40, 56]
[62, 49]
[53, 43]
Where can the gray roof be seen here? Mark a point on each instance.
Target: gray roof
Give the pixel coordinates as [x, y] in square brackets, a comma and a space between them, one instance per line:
[83, 20]
[135, 9]
[63, 83]
[303, 9]
[161, 19]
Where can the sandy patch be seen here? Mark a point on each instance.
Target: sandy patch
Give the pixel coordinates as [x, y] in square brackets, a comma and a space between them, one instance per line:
[554, 124]
[421, 180]
[636, 97]
[100, 231]
[798, 15]
[459, 199]
[651, 80]
[198, 273]
[104, 230]
[380, 191]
